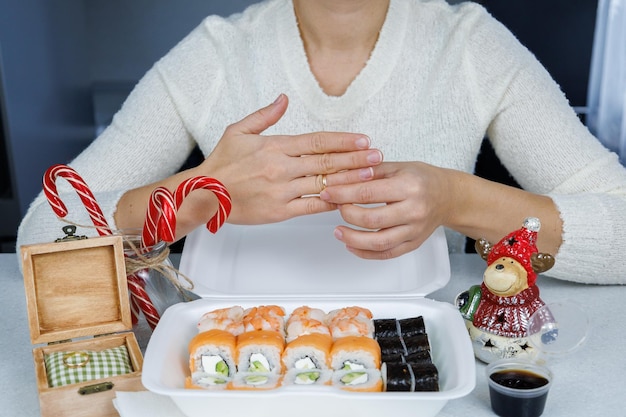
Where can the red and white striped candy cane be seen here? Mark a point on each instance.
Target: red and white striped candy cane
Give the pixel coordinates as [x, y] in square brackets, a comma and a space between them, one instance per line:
[160, 223]
[137, 288]
[90, 203]
[85, 194]
[206, 183]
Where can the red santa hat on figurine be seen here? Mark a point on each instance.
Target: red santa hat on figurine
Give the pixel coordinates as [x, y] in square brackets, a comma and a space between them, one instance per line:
[519, 245]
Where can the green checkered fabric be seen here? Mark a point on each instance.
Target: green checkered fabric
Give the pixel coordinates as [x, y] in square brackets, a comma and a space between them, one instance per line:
[64, 368]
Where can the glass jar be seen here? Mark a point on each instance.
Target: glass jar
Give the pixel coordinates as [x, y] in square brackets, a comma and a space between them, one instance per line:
[153, 281]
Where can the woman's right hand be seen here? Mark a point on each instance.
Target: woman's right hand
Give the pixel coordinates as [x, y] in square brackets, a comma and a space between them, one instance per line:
[267, 176]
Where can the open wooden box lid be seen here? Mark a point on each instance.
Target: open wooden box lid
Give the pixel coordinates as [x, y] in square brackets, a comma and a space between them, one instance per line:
[76, 288]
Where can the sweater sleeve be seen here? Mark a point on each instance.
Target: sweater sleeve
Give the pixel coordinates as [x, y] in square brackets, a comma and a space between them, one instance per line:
[539, 138]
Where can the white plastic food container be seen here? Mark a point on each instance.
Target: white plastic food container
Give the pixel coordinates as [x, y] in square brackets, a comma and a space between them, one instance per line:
[297, 263]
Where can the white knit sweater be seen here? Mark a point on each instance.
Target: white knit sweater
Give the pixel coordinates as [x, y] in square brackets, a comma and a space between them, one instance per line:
[438, 80]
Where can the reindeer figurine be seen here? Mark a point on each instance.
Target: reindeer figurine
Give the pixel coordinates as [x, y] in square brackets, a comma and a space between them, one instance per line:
[498, 311]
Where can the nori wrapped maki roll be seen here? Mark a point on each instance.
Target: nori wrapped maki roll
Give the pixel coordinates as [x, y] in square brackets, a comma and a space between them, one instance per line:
[405, 377]
[412, 326]
[417, 343]
[384, 328]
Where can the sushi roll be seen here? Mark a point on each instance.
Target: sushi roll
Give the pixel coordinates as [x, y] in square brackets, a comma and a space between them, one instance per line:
[407, 377]
[355, 353]
[406, 347]
[307, 377]
[418, 357]
[202, 380]
[260, 351]
[270, 317]
[229, 319]
[306, 320]
[408, 327]
[412, 326]
[310, 351]
[255, 381]
[416, 344]
[350, 321]
[365, 380]
[212, 353]
[386, 328]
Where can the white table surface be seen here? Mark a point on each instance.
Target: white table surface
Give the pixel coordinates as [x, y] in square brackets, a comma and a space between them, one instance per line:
[589, 382]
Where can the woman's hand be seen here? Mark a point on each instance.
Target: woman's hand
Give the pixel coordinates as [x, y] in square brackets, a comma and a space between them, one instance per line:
[409, 200]
[267, 176]
[416, 202]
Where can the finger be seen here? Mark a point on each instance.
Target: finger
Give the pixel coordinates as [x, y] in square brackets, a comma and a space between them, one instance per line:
[372, 191]
[308, 205]
[382, 244]
[389, 254]
[331, 163]
[350, 177]
[261, 119]
[316, 184]
[371, 217]
[324, 142]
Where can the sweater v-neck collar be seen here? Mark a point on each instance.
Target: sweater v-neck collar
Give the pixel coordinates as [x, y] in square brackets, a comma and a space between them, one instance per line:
[369, 80]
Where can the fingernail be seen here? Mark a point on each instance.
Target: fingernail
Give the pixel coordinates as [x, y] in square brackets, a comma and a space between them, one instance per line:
[366, 173]
[338, 234]
[324, 195]
[374, 157]
[278, 99]
[363, 142]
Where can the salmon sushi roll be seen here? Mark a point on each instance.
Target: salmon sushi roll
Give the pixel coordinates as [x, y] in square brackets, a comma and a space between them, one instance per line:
[202, 380]
[310, 351]
[365, 380]
[260, 351]
[355, 353]
[307, 377]
[255, 381]
[211, 358]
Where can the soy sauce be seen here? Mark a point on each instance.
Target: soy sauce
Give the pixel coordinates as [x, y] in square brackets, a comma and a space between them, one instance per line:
[518, 379]
[522, 405]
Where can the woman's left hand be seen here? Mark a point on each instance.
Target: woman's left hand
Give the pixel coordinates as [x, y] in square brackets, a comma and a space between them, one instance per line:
[406, 202]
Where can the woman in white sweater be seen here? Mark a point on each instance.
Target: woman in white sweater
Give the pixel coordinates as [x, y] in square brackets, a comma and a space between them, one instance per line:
[423, 80]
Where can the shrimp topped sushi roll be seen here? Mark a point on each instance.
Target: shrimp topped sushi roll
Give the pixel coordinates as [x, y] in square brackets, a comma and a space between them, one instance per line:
[229, 319]
[269, 317]
[350, 321]
[306, 320]
[260, 351]
[211, 358]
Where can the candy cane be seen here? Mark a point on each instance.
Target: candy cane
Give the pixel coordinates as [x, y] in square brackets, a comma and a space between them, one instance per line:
[89, 201]
[160, 223]
[136, 286]
[85, 194]
[197, 183]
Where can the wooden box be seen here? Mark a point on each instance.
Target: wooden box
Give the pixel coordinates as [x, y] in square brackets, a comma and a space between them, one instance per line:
[77, 300]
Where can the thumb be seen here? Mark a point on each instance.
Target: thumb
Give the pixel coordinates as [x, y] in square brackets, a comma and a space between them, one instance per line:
[261, 119]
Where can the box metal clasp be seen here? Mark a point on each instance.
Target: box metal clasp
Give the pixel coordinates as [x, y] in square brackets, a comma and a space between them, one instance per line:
[69, 234]
[95, 388]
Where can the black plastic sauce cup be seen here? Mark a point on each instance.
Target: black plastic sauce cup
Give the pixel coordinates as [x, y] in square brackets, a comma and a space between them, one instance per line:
[518, 388]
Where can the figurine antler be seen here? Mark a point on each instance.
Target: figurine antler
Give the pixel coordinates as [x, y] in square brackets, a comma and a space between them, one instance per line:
[541, 262]
[483, 247]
